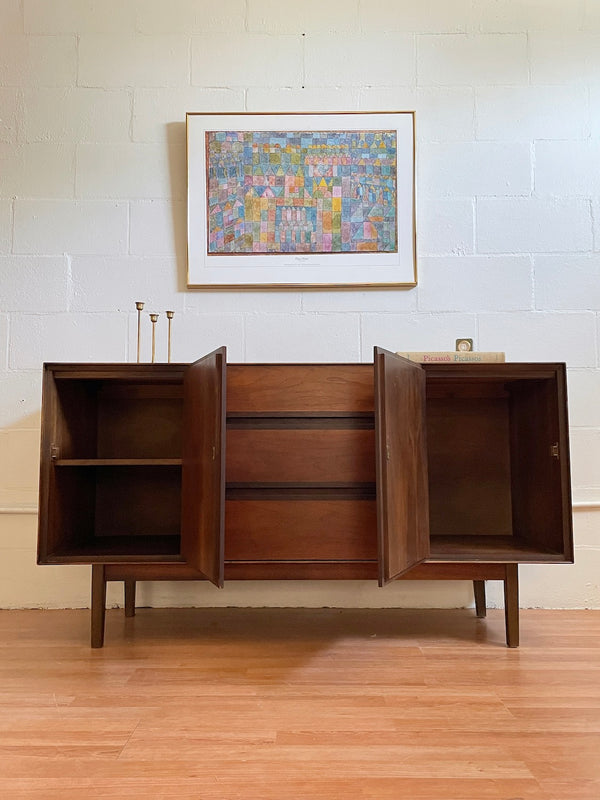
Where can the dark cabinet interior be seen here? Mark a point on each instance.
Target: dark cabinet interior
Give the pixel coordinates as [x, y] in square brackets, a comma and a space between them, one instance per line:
[111, 463]
[498, 462]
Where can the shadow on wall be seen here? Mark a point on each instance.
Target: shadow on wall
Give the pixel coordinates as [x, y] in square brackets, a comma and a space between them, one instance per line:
[176, 134]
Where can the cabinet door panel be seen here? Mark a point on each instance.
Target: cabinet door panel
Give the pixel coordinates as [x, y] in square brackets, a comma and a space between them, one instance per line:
[203, 472]
[401, 458]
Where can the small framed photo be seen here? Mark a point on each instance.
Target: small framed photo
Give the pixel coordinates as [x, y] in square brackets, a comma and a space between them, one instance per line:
[301, 201]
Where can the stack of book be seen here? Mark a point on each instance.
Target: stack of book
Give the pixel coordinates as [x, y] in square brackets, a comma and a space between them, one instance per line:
[453, 357]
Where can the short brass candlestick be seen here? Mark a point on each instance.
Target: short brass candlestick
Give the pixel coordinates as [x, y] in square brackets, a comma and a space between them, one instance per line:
[139, 307]
[154, 320]
[170, 315]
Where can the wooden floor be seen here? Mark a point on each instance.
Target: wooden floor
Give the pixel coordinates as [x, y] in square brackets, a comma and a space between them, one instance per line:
[266, 704]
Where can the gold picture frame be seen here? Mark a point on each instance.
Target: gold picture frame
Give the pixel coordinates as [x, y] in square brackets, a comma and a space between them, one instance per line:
[301, 200]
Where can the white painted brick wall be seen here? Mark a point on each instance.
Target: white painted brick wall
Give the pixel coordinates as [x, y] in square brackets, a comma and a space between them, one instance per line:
[570, 283]
[36, 338]
[21, 393]
[563, 57]
[245, 59]
[341, 60]
[196, 334]
[76, 115]
[11, 16]
[8, 114]
[4, 347]
[301, 337]
[310, 16]
[584, 391]
[526, 113]
[38, 60]
[445, 226]
[77, 227]
[585, 457]
[521, 225]
[541, 336]
[423, 331]
[93, 215]
[131, 170]
[191, 16]
[500, 283]
[465, 60]
[133, 60]
[158, 228]
[127, 279]
[445, 114]
[474, 169]
[508, 16]
[309, 99]
[435, 16]
[38, 170]
[73, 16]
[5, 226]
[29, 283]
[567, 169]
[158, 113]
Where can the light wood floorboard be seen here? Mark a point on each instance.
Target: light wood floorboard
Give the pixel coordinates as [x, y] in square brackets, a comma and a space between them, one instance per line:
[266, 704]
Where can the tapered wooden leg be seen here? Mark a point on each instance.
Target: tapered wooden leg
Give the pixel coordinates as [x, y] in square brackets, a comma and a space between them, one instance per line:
[511, 604]
[98, 604]
[479, 592]
[129, 586]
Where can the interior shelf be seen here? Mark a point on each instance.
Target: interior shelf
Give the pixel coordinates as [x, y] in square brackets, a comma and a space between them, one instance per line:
[121, 548]
[118, 462]
[510, 549]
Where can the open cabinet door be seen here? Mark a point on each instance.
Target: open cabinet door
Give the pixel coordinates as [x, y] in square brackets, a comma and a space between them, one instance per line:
[401, 460]
[203, 471]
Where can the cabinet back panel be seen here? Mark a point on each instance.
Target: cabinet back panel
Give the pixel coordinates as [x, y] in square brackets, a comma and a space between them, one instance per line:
[279, 530]
[139, 428]
[76, 409]
[468, 445]
[71, 512]
[297, 456]
[138, 501]
[118, 419]
[300, 387]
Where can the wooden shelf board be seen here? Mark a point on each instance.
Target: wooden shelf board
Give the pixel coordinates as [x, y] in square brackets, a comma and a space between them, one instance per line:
[503, 549]
[115, 549]
[118, 462]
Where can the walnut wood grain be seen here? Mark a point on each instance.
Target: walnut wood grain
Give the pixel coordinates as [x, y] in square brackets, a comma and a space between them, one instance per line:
[203, 472]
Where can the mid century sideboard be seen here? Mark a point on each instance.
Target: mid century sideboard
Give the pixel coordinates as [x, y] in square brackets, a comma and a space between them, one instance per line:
[387, 470]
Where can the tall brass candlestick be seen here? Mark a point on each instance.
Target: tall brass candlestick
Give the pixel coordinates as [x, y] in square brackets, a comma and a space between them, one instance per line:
[154, 320]
[170, 315]
[139, 307]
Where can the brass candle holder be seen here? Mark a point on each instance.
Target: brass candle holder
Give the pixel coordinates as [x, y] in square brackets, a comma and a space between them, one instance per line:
[153, 320]
[139, 305]
[170, 315]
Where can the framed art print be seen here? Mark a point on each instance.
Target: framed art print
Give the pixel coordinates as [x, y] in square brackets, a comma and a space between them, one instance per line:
[292, 201]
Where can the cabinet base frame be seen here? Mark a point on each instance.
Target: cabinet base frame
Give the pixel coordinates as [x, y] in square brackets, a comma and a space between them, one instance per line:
[478, 573]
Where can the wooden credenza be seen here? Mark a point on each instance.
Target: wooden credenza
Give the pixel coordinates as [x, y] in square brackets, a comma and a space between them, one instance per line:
[384, 471]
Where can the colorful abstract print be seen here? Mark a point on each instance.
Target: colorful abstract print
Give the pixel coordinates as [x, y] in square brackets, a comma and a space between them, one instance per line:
[301, 192]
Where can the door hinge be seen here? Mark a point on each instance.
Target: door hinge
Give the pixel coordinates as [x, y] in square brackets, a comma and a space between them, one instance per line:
[554, 450]
[214, 452]
[54, 452]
